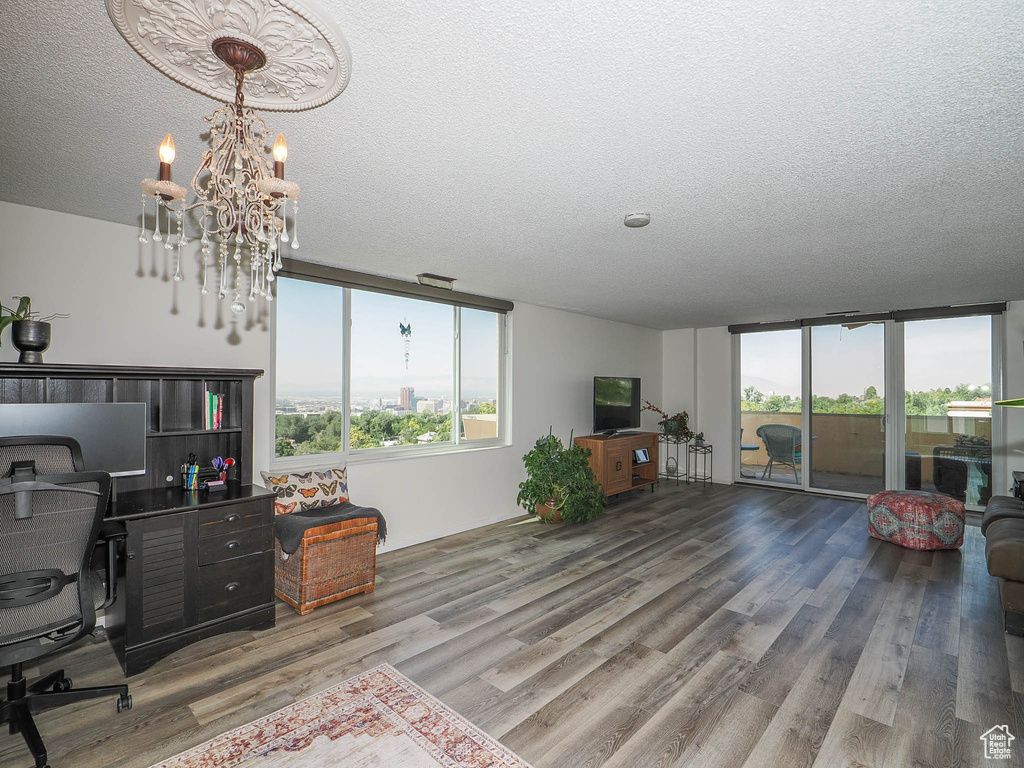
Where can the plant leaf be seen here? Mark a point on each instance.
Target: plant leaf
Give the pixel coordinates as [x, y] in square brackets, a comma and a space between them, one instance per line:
[4, 322]
[24, 307]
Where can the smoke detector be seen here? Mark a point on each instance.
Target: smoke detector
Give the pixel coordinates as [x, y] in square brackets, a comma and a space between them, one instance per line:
[637, 219]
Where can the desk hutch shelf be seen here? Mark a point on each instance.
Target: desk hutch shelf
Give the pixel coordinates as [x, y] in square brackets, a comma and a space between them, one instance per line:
[192, 564]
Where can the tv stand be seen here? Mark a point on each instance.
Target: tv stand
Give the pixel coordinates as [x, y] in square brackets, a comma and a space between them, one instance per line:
[614, 463]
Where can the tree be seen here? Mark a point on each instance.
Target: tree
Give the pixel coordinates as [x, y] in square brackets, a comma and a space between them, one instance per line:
[928, 403]
[284, 447]
[359, 439]
[752, 395]
[293, 427]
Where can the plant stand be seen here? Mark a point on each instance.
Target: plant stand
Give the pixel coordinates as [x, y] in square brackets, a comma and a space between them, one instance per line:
[672, 451]
[699, 463]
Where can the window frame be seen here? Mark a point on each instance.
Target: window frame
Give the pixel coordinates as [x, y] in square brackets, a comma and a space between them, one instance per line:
[346, 455]
[895, 385]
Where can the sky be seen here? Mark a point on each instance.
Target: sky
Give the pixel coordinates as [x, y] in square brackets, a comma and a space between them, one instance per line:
[938, 353]
[309, 344]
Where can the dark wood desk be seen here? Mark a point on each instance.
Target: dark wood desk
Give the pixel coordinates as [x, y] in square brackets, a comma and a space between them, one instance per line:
[190, 564]
[193, 564]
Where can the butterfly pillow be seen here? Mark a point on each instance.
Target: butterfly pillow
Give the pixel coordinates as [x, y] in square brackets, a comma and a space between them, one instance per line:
[310, 489]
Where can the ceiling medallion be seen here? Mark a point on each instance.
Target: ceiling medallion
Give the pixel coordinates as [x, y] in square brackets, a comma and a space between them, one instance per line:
[307, 61]
[291, 59]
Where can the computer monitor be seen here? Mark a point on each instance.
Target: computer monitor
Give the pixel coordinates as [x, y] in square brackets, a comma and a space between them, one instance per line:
[112, 435]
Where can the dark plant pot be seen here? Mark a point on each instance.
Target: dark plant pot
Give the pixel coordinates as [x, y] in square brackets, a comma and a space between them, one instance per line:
[31, 338]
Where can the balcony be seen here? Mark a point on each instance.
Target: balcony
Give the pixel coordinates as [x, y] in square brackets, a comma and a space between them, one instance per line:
[848, 452]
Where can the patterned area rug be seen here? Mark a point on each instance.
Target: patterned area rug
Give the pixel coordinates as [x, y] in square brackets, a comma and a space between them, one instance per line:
[379, 718]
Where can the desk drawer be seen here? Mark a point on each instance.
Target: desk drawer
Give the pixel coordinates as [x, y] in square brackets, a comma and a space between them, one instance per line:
[227, 546]
[231, 518]
[234, 585]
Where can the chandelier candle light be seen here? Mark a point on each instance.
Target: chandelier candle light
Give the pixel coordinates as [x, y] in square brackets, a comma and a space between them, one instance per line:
[243, 201]
[295, 59]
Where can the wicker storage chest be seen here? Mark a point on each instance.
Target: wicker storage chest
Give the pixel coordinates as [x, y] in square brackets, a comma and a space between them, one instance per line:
[333, 561]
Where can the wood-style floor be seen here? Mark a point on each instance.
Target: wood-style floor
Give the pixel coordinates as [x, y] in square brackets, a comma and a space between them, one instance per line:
[723, 626]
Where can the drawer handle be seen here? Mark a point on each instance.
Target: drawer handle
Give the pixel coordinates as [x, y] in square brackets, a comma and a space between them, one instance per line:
[618, 466]
[232, 586]
[232, 517]
[232, 544]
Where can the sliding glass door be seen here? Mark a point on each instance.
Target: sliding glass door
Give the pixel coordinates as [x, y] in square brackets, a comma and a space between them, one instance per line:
[815, 400]
[770, 417]
[949, 407]
[847, 414]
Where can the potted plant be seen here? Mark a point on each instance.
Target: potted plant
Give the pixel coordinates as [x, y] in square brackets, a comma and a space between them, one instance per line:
[30, 334]
[673, 428]
[560, 484]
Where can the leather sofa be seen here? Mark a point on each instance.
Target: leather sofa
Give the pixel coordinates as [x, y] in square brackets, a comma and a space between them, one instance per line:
[1003, 528]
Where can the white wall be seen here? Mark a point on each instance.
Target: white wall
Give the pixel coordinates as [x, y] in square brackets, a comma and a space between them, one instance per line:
[125, 309]
[697, 366]
[679, 380]
[714, 398]
[555, 356]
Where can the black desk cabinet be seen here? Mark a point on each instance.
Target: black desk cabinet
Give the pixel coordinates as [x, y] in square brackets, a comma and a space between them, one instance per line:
[197, 564]
[192, 563]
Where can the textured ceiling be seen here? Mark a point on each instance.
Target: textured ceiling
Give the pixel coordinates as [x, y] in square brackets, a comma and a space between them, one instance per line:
[796, 158]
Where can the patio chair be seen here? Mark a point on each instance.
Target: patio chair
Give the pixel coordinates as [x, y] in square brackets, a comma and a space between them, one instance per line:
[782, 442]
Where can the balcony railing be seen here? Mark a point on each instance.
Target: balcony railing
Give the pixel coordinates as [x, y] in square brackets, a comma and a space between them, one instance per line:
[849, 448]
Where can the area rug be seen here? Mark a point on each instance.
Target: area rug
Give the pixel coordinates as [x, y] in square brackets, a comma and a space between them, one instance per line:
[379, 718]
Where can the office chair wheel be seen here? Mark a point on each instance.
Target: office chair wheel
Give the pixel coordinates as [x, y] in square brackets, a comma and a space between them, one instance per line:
[64, 684]
[124, 701]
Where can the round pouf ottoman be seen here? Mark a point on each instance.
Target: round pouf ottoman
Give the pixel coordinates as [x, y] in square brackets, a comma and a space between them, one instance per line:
[916, 519]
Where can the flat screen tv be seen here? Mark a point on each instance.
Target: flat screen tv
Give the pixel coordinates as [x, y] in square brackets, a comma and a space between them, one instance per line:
[616, 403]
[112, 435]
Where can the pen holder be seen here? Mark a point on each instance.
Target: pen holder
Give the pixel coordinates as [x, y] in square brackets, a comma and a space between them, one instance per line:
[202, 476]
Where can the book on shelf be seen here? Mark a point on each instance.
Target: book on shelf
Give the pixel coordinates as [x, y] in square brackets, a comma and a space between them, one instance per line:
[213, 414]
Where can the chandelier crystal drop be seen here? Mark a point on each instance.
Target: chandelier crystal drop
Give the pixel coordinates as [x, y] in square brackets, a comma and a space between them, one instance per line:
[240, 193]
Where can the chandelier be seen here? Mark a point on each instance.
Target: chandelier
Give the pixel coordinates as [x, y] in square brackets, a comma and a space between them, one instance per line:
[240, 197]
[289, 56]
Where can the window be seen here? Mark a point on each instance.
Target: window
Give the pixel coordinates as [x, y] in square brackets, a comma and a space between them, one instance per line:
[479, 355]
[770, 406]
[403, 380]
[847, 427]
[309, 392]
[949, 407]
[411, 375]
[816, 398]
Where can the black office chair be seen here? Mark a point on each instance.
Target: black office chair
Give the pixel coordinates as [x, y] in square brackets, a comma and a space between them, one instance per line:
[49, 525]
[52, 454]
[56, 455]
